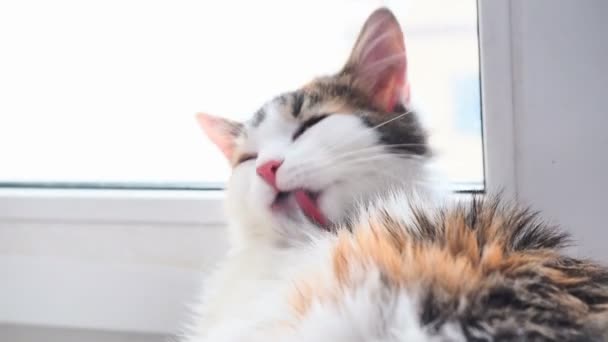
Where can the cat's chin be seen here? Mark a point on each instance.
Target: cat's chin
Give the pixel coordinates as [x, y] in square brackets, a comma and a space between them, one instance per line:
[301, 200]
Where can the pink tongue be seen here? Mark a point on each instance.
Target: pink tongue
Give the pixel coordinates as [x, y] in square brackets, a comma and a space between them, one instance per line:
[309, 207]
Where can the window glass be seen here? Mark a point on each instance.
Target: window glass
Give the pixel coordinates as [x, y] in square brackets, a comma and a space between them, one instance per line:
[105, 92]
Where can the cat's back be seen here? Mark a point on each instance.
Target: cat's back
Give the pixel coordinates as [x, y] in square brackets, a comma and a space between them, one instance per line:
[480, 270]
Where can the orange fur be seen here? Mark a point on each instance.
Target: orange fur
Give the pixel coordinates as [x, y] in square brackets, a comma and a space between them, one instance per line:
[456, 263]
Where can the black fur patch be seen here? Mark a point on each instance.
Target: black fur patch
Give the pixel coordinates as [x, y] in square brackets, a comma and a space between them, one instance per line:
[516, 303]
[258, 117]
[296, 104]
[403, 134]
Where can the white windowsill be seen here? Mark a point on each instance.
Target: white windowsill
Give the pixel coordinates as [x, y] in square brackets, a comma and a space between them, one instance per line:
[118, 206]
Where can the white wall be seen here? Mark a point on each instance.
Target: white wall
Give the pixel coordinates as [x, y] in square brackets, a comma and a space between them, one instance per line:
[560, 76]
[123, 276]
[26, 333]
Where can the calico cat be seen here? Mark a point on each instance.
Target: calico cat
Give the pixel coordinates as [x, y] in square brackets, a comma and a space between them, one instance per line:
[336, 234]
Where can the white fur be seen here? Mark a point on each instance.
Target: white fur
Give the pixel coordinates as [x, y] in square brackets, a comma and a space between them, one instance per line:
[369, 312]
[247, 294]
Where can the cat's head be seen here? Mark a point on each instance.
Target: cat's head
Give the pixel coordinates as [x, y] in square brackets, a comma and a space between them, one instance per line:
[317, 151]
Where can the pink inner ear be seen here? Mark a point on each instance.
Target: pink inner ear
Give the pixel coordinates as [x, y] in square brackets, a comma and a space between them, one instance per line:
[381, 60]
[218, 132]
[390, 91]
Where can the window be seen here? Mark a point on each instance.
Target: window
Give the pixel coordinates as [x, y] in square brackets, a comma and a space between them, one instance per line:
[104, 93]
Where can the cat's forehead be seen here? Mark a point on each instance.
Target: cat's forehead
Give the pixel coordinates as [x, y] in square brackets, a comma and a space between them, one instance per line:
[321, 97]
[279, 118]
[291, 107]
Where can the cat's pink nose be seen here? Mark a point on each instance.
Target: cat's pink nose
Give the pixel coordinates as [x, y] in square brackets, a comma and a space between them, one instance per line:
[268, 172]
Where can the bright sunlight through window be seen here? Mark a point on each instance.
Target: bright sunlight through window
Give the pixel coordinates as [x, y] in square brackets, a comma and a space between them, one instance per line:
[105, 92]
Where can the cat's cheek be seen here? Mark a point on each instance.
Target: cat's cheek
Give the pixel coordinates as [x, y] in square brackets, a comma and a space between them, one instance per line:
[261, 195]
[332, 203]
[239, 187]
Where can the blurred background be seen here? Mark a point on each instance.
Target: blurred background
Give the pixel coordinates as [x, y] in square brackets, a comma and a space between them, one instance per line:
[110, 196]
[106, 92]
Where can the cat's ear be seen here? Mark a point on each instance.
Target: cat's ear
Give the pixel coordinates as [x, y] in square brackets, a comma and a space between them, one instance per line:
[222, 132]
[378, 63]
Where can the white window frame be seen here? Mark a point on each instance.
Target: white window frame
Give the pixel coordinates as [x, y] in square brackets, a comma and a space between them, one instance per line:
[496, 69]
[204, 206]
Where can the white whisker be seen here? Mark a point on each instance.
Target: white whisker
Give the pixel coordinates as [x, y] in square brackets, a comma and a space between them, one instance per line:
[366, 130]
[382, 149]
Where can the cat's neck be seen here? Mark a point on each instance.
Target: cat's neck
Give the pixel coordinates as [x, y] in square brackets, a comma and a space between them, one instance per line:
[247, 234]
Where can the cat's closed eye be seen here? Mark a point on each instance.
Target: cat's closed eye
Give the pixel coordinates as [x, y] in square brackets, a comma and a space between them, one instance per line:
[246, 157]
[307, 124]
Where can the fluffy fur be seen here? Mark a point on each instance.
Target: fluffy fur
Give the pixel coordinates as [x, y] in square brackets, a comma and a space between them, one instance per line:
[389, 263]
[481, 270]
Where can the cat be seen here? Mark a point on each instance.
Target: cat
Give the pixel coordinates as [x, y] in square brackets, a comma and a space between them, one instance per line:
[311, 156]
[336, 232]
